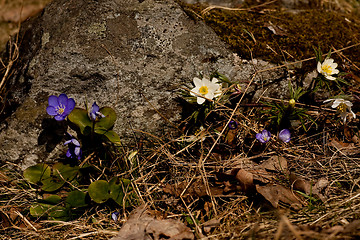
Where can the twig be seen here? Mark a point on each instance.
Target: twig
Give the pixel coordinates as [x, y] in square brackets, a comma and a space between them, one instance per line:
[25, 220]
[206, 10]
[12, 60]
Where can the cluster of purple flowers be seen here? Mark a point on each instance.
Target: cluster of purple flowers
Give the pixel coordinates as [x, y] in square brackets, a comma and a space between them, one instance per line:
[265, 136]
[60, 107]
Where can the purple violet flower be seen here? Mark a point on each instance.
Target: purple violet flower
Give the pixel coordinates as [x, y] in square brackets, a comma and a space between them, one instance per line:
[285, 135]
[60, 106]
[94, 112]
[115, 216]
[74, 150]
[233, 124]
[264, 136]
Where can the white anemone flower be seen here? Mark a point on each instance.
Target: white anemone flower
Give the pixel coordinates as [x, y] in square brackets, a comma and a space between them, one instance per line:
[328, 68]
[342, 106]
[205, 89]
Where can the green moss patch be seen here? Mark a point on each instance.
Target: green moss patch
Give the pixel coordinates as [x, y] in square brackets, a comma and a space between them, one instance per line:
[277, 35]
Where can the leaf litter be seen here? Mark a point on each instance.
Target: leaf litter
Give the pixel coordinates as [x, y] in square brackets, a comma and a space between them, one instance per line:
[141, 225]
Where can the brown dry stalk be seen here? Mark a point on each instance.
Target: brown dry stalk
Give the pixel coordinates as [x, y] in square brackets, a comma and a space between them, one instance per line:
[13, 56]
[206, 10]
[25, 220]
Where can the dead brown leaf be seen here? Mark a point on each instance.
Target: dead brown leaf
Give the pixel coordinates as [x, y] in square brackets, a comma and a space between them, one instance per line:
[263, 176]
[209, 225]
[334, 229]
[19, 14]
[298, 183]
[230, 187]
[348, 133]
[277, 194]
[353, 228]
[269, 170]
[250, 173]
[275, 163]
[346, 148]
[142, 226]
[230, 137]
[246, 180]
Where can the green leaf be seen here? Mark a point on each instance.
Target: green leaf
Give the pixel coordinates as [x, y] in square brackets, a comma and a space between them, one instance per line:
[76, 199]
[99, 191]
[61, 173]
[59, 213]
[53, 212]
[52, 184]
[118, 187]
[39, 209]
[36, 173]
[80, 118]
[113, 137]
[53, 199]
[106, 123]
[66, 171]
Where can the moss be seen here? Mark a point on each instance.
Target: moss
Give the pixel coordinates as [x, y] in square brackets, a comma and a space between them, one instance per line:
[304, 30]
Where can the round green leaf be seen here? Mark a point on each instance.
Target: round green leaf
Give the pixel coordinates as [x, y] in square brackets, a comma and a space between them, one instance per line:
[118, 187]
[65, 171]
[36, 173]
[53, 199]
[113, 137]
[99, 191]
[52, 184]
[80, 118]
[106, 123]
[76, 199]
[59, 213]
[39, 209]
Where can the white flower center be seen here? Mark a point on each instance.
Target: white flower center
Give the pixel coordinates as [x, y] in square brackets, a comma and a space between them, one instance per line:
[327, 69]
[203, 90]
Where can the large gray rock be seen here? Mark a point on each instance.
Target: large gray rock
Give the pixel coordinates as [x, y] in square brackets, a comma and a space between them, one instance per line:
[127, 54]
